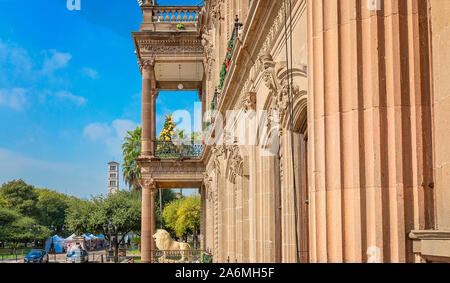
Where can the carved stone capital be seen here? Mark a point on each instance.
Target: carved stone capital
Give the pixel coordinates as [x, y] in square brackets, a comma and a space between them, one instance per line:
[147, 64]
[149, 184]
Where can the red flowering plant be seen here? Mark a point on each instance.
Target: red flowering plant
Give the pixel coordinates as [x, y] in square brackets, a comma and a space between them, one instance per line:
[226, 63]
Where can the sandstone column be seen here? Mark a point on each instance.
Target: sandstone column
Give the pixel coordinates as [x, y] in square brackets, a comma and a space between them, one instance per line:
[149, 94]
[148, 220]
[369, 125]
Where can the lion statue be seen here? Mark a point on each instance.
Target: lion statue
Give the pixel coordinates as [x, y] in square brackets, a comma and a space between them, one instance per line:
[165, 243]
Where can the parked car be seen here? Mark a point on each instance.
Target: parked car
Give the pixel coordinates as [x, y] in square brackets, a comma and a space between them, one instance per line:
[36, 256]
[77, 256]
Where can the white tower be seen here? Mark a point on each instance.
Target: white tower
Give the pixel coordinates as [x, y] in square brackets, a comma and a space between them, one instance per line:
[113, 178]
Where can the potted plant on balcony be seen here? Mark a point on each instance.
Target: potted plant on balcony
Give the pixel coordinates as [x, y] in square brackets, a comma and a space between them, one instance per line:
[180, 26]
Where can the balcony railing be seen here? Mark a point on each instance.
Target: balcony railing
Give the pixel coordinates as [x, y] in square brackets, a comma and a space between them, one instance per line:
[173, 14]
[190, 256]
[178, 149]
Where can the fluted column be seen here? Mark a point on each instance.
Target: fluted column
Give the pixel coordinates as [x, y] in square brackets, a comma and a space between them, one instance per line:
[148, 220]
[149, 95]
[369, 125]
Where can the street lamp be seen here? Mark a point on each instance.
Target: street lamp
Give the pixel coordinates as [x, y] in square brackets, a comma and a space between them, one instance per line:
[33, 229]
[110, 230]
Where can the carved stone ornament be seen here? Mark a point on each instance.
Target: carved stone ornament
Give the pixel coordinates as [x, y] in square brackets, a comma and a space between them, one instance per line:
[147, 183]
[249, 103]
[147, 64]
[208, 51]
[235, 162]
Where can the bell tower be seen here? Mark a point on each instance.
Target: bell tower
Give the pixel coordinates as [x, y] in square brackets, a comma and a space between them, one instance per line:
[113, 178]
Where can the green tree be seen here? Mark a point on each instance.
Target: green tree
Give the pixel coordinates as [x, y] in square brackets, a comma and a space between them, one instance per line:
[78, 215]
[16, 228]
[51, 207]
[7, 218]
[20, 196]
[3, 202]
[183, 217]
[189, 217]
[131, 150]
[170, 215]
[122, 211]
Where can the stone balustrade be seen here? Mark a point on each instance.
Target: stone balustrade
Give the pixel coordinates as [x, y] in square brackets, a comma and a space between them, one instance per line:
[170, 18]
[175, 14]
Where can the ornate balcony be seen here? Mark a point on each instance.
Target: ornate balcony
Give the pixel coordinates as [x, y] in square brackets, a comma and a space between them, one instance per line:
[178, 149]
[170, 18]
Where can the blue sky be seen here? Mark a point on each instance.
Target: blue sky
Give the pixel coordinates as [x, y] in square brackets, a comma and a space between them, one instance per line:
[70, 88]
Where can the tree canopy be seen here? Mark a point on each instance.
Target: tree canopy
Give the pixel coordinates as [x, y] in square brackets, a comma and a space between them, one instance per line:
[183, 216]
[51, 207]
[19, 196]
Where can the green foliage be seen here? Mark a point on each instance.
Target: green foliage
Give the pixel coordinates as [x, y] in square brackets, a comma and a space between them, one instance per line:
[170, 215]
[78, 216]
[136, 240]
[28, 213]
[51, 207]
[20, 229]
[226, 64]
[20, 197]
[180, 134]
[183, 215]
[131, 150]
[3, 202]
[189, 215]
[123, 210]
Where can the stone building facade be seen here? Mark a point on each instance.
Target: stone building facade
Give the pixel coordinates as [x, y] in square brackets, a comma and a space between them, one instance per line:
[356, 98]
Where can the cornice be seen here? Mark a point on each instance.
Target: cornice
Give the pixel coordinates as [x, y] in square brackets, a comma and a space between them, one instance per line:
[429, 235]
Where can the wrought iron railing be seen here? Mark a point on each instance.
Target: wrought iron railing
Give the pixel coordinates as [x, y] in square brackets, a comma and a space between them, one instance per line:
[187, 256]
[178, 149]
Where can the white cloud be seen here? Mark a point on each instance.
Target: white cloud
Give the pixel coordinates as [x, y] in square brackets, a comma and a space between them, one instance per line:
[16, 56]
[57, 61]
[91, 73]
[97, 131]
[71, 97]
[13, 98]
[110, 135]
[18, 98]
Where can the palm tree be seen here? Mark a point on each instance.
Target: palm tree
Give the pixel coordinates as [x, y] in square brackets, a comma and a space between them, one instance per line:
[131, 150]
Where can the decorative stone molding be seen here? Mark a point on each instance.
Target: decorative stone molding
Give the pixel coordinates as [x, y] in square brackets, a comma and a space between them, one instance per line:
[171, 49]
[216, 10]
[274, 76]
[234, 164]
[432, 245]
[249, 102]
[208, 51]
[147, 64]
[147, 183]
